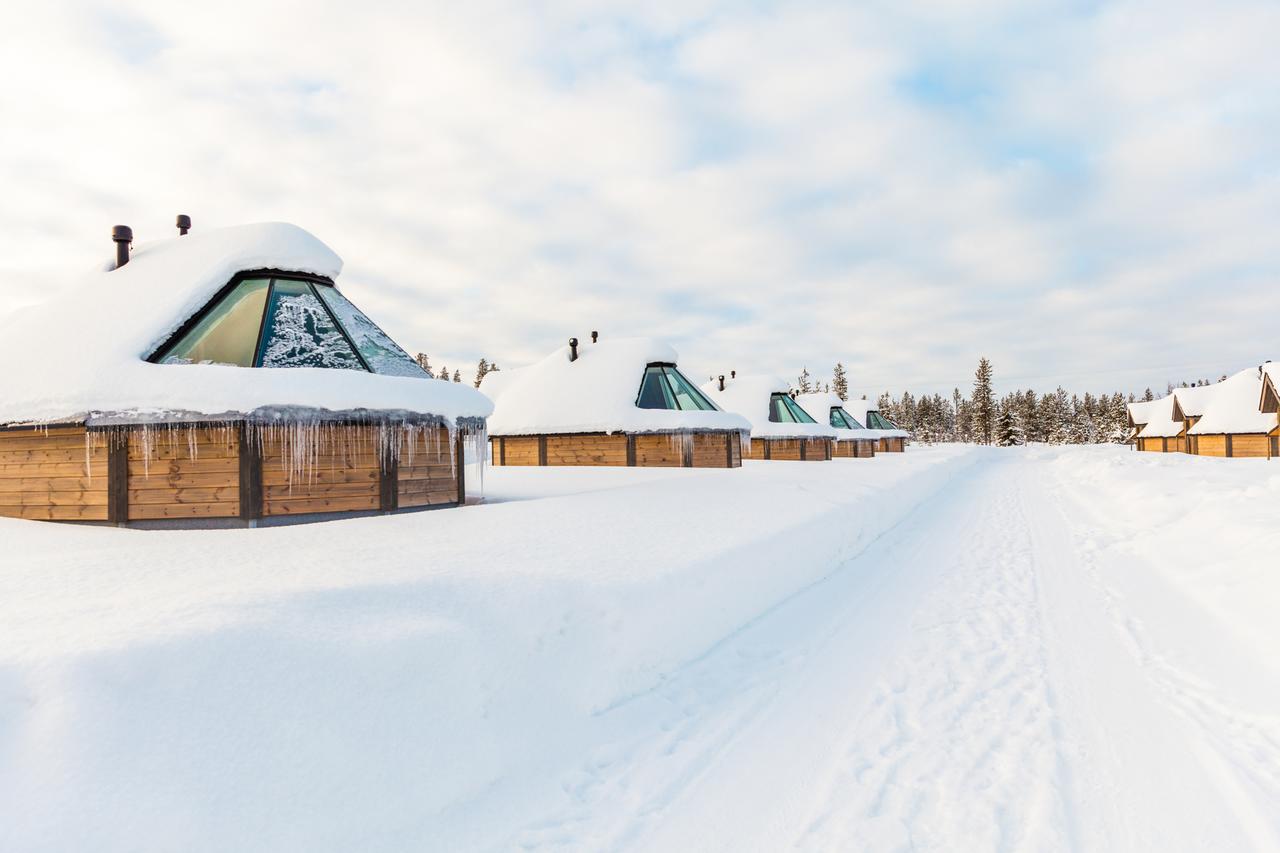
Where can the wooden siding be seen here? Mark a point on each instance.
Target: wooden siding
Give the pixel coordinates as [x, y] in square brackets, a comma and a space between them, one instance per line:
[893, 445]
[340, 474]
[195, 475]
[1212, 445]
[649, 450]
[865, 448]
[586, 449]
[1250, 446]
[662, 451]
[817, 449]
[431, 476]
[53, 474]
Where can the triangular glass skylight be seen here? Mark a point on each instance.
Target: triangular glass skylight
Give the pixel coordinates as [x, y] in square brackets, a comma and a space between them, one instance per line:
[840, 419]
[276, 321]
[664, 387]
[784, 410]
[874, 421]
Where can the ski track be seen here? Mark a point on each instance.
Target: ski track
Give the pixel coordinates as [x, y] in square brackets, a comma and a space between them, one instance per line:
[953, 687]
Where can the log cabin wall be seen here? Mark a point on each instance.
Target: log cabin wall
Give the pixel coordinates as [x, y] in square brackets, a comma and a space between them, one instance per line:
[1212, 445]
[70, 474]
[54, 474]
[893, 445]
[845, 449]
[864, 449]
[645, 450]
[184, 476]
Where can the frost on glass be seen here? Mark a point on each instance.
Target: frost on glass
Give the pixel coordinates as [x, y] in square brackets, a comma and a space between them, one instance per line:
[381, 353]
[300, 333]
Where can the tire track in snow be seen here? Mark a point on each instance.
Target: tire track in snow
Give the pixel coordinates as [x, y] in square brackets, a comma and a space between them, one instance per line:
[960, 744]
[778, 692]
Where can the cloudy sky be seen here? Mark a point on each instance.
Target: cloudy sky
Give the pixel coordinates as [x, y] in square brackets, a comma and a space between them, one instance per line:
[1087, 193]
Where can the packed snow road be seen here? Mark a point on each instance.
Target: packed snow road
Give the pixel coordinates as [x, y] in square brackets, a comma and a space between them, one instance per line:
[967, 682]
[951, 649]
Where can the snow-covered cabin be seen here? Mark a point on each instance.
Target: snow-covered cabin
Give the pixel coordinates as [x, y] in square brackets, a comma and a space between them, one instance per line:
[1164, 430]
[1139, 415]
[616, 401]
[221, 376]
[853, 440]
[780, 427]
[1235, 422]
[867, 413]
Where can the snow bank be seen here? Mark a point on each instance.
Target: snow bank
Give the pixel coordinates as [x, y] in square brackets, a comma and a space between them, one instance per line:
[399, 682]
[1234, 407]
[819, 405]
[595, 393]
[82, 353]
[749, 396]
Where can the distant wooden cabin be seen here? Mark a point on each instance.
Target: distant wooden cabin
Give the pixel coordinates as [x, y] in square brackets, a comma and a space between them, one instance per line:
[1164, 430]
[1189, 406]
[781, 430]
[1240, 419]
[618, 402]
[196, 360]
[853, 440]
[890, 438]
[1139, 414]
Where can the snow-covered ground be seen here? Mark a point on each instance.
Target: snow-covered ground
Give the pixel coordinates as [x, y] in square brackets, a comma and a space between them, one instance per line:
[948, 649]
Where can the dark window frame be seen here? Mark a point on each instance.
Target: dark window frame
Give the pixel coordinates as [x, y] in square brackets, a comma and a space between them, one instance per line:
[789, 404]
[311, 280]
[664, 366]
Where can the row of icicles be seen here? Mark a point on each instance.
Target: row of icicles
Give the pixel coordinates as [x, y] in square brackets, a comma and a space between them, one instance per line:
[298, 446]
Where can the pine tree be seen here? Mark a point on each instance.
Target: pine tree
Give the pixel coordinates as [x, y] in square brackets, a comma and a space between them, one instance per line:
[481, 370]
[1007, 427]
[444, 374]
[425, 363]
[457, 376]
[1147, 396]
[804, 386]
[840, 382]
[983, 403]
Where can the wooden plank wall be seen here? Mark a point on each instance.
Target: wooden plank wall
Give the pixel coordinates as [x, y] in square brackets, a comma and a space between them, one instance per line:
[49, 474]
[586, 449]
[893, 445]
[1212, 445]
[784, 449]
[707, 450]
[817, 449]
[431, 477]
[1250, 446]
[713, 450]
[660, 451]
[865, 449]
[171, 482]
[343, 477]
[845, 449]
[515, 450]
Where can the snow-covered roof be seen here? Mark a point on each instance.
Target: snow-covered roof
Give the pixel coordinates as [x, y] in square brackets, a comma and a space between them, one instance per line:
[860, 407]
[596, 393]
[1193, 402]
[82, 354]
[819, 405]
[749, 396]
[1234, 407]
[1162, 423]
[1142, 411]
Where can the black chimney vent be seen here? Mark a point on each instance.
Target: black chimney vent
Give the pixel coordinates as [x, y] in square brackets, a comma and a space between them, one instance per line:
[721, 381]
[733, 374]
[595, 336]
[573, 349]
[184, 224]
[123, 236]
